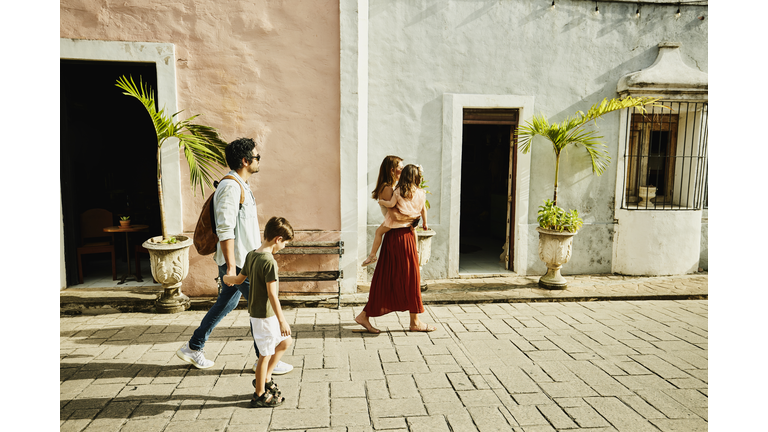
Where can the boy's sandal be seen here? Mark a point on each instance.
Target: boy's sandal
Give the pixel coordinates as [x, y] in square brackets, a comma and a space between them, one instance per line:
[266, 400]
[271, 387]
[369, 261]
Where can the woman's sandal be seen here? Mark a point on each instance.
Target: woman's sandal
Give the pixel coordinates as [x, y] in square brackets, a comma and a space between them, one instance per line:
[266, 400]
[369, 261]
[424, 327]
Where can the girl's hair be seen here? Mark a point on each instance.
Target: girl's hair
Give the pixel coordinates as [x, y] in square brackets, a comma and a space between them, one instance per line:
[386, 174]
[410, 179]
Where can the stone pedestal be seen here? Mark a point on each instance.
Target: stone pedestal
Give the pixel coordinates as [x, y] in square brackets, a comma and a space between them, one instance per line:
[554, 250]
[424, 249]
[170, 265]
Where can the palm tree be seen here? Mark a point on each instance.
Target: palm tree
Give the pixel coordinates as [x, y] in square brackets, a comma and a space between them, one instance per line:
[571, 131]
[202, 146]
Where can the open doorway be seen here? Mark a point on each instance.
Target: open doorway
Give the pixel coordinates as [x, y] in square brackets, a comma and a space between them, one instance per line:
[487, 191]
[108, 159]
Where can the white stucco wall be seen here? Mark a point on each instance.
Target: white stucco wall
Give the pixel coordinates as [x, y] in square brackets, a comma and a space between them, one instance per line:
[567, 58]
[658, 243]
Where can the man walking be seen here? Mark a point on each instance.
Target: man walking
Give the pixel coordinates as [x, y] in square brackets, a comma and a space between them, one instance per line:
[237, 226]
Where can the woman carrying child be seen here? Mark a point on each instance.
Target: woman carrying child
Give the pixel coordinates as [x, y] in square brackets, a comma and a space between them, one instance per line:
[395, 283]
[389, 174]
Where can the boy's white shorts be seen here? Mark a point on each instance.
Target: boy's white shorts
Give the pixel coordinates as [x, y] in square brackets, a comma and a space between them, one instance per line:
[266, 334]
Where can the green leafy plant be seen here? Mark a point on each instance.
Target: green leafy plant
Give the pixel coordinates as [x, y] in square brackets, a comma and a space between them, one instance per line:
[203, 148]
[125, 218]
[554, 218]
[423, 185]
[571, 131]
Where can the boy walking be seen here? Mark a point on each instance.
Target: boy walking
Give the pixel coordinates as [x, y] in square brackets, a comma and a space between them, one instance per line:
[271, 332]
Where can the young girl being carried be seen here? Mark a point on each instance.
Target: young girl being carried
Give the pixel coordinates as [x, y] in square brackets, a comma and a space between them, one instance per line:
[404, 208]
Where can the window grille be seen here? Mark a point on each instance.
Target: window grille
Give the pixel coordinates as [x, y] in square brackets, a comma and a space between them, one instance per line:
[665, 154]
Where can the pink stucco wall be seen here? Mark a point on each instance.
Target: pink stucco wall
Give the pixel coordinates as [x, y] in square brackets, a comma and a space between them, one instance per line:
[262, 69]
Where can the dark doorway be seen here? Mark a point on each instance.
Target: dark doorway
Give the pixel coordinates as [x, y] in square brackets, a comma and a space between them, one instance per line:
[108, 154]
[487, 191]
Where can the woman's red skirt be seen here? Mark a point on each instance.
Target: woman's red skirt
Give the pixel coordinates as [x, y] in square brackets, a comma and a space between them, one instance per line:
[395, 283]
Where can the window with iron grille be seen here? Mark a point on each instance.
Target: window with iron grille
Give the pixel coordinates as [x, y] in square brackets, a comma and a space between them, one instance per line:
[665, 157]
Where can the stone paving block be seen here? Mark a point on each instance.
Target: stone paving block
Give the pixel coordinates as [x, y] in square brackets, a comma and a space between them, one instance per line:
[460, 381]
[444, 407]
[489, 419]
[666, 404]
[145, 425]
[460, 420]
[527, 416]
[188, 410]
[432, 423]
[556, 416]
[407, 367]
[568, 389]
[216, 410]
[389, 423]
[550, 355]
[596, 378]
[659, 366]
[301, 419]
[688, 383]
[619, 415]
[532, 399]
[401, 386]
[76, 424]
[351, 389]
[349, 412]
[472, 398]
[197, 426]
[376, 389]
[688, 397]
[586, 416]
[515, 380]
[313, 395]
[325, 375]
[432, 380]
[681, 425]
[367, 375]
[398, 408]
[439, 395]
[536, 373]
[313, 361]
[632, 367]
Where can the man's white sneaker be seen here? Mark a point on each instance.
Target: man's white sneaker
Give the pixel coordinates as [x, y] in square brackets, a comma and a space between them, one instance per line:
[280, 369]
[196, 358]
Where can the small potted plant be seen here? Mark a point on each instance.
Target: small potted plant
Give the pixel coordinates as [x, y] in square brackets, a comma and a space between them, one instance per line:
[204, 151]
[125, 221]
[556, 226]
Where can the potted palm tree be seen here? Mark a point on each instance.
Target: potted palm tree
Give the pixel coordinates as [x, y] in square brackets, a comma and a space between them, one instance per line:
[557, 226]
[204, 151]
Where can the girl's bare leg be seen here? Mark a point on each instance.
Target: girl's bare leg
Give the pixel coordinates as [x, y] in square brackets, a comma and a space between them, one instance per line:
[380, 231]
[262, 370]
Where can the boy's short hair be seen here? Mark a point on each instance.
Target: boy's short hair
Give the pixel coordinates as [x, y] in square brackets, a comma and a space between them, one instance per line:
[278, 226]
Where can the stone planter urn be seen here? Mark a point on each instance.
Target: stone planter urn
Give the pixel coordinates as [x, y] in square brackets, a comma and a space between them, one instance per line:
[424, 249]
[170, 265]
[646, 194]
[554, 250]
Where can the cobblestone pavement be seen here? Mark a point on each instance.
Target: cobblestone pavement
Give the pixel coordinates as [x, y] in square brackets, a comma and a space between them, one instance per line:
[533, 367]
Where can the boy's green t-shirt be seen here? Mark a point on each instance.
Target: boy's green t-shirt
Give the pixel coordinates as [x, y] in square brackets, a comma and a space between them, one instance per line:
[261, 268]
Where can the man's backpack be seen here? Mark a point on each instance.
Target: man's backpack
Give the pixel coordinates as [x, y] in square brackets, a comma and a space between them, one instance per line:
[205, 238]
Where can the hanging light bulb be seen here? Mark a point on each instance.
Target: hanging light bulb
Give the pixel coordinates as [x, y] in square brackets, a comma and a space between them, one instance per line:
[553, 4]
[637, 12]
[677, 15]
[597, 9]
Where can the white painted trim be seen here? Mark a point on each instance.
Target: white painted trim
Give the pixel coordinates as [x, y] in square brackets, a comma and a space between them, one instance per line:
[450, 188]
[353, 128]
[164, 57]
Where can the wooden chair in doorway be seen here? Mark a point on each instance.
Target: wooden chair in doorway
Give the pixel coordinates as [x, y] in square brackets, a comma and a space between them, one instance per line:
[93, 239]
